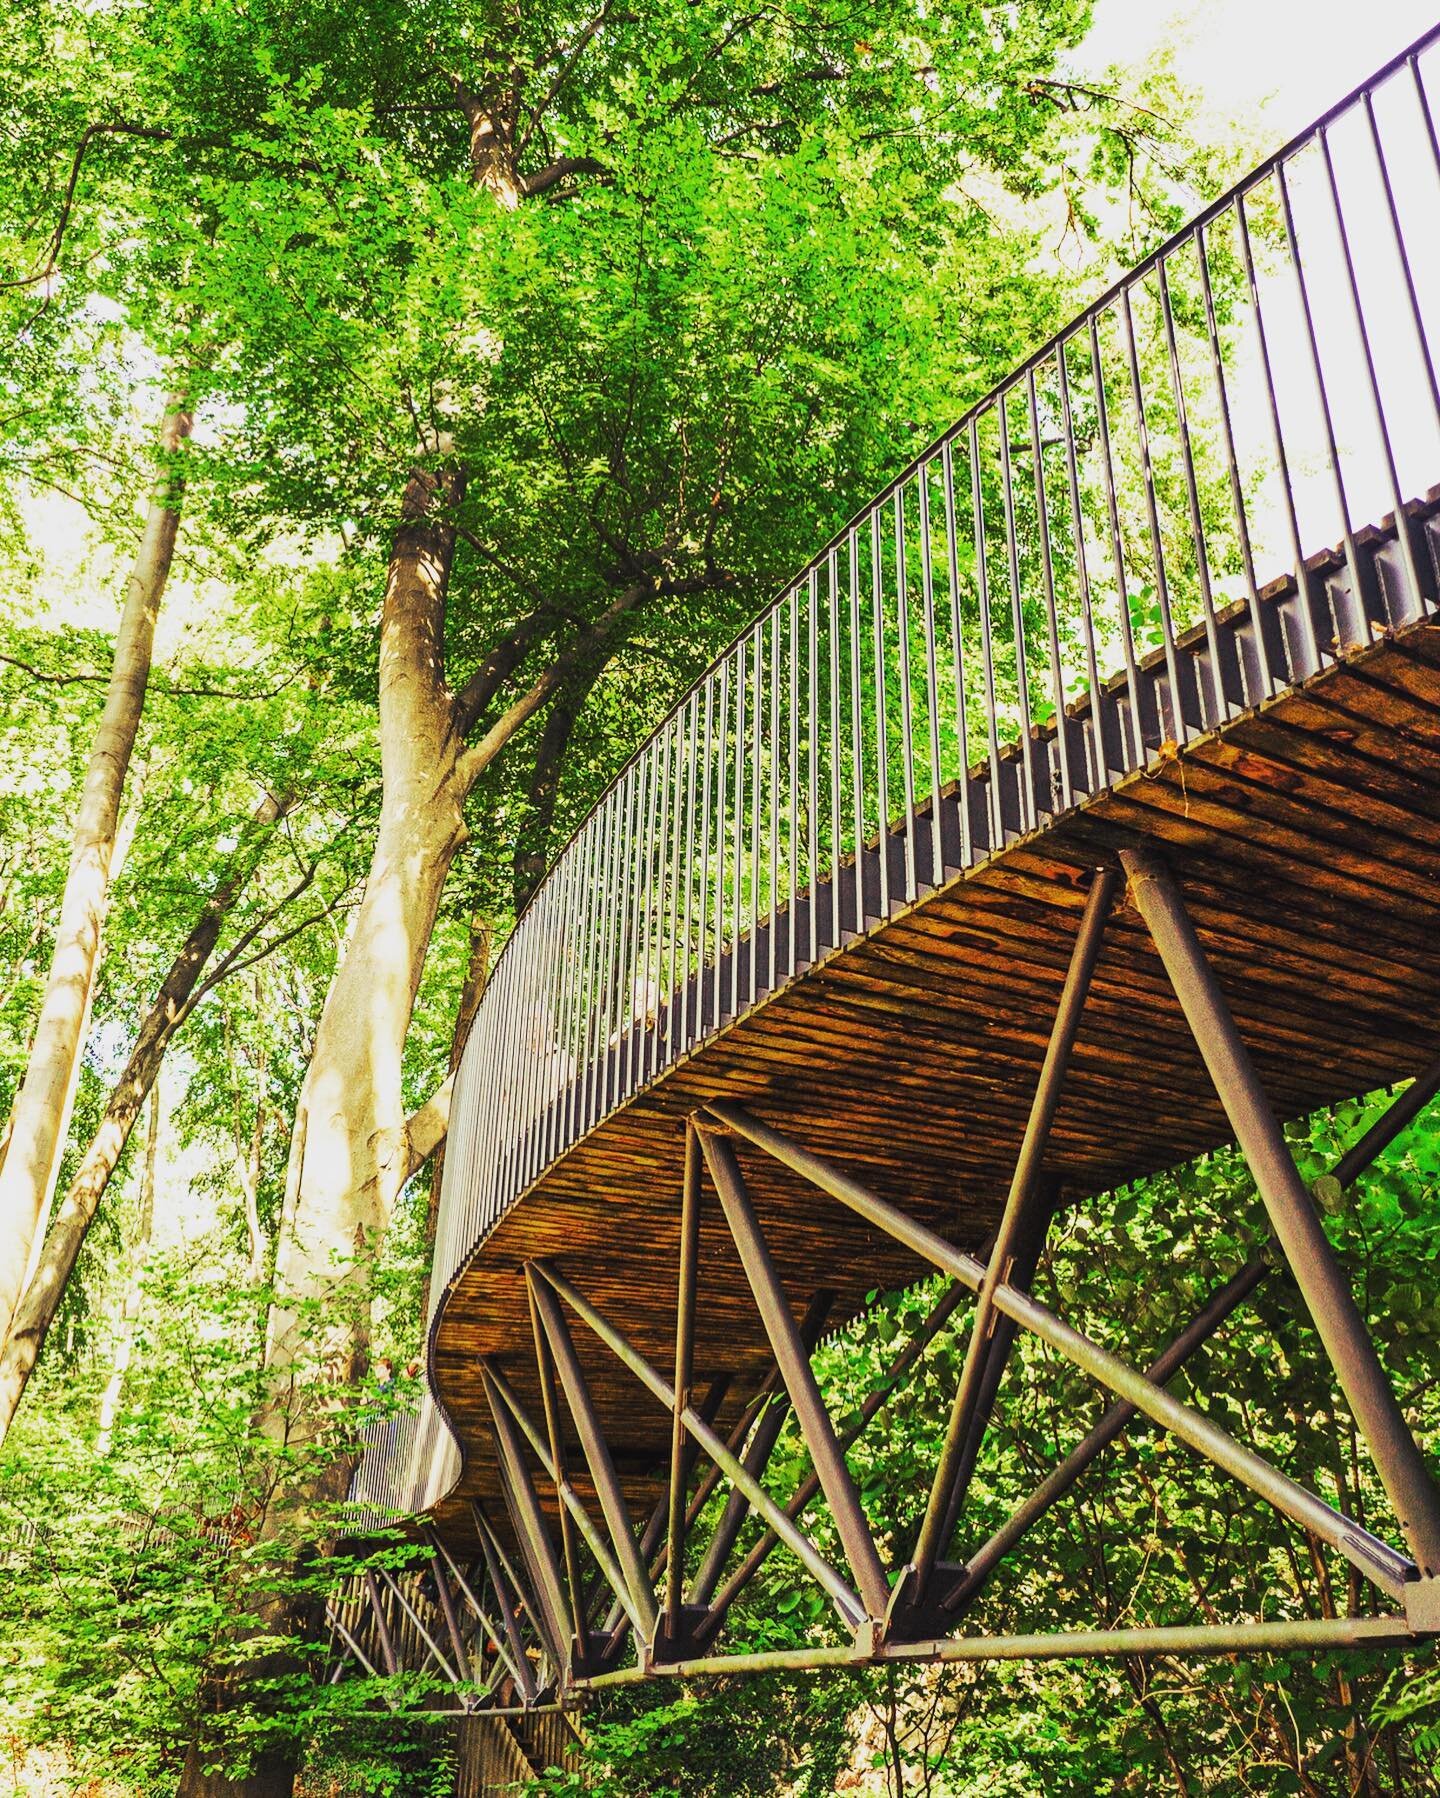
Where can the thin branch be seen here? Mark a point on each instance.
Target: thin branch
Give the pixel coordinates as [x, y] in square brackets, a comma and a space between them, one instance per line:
[558, 81]
[67, 202]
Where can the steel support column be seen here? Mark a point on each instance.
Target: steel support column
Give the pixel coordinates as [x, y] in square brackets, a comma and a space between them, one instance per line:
[1318, 1274]
[799, 1377]
[597, 1453]
[684, 1376]
[947, 1490]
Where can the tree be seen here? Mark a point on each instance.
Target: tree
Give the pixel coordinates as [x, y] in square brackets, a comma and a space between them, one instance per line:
[40, 1108]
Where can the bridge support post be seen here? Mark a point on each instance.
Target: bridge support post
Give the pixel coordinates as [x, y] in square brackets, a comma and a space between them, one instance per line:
[1318, 1274]
[597, 1454]
[800, 1382]
[756, 1458]
[1017, 1223]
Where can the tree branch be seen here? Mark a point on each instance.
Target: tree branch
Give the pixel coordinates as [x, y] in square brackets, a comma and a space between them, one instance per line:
[568, 62]
[554, 173]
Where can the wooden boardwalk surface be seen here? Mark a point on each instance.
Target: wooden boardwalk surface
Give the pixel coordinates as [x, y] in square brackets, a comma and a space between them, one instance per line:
[1305, 835]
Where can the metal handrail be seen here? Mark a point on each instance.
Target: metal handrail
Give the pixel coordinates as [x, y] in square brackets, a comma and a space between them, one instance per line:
[1057, 590]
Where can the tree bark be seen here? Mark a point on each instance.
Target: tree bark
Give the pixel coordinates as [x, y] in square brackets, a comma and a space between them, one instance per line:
[173, 1004]
[135, 1285]
[351, 1146]
[35, 1126]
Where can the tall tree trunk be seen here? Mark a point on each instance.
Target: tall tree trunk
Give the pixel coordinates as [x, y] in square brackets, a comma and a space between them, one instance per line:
[135, 1284]
[35, 1126]
[351, 1139]
[350, 1150]
[250, 1145]
[477, 973]
[173, 1004]
[124, 837]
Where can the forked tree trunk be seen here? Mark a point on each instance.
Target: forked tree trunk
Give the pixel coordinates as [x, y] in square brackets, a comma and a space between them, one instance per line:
[40, 1103]
[173, 1004]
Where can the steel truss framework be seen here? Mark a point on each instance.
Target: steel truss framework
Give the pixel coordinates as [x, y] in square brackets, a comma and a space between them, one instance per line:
[607, 1599]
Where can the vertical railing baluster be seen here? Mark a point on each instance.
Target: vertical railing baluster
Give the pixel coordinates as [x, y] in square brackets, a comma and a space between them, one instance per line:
[932, 677]
[694, 822]
[622, 868]
[957, 647]
[1117, 546]
[722, 751]
[741, 654]
[1232, 470]
[600, 999]
[1098, 721]
[1152, 514]
[1017, 621]
[1322, 393]
[1382, 424]
[882, 759]
[774, 812]
[564, 872]
[857, 728]
[1220, 708]
[757, 713]
[793, 887]
[832, 613]
[987, 646]
[1282, 460]
[643, 848]
[1397, 230]
[907, 718]
[585, 988]
[1047, 587]
[655, 960]
[812, 701]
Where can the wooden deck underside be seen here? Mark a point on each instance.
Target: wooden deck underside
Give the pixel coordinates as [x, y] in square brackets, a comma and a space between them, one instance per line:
[1306, 838]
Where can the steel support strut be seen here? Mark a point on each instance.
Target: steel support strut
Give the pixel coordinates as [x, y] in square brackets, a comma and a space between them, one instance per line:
[597, 1453]
[849, 1606]
[595, 1539]
[1322, 1282]
[800, 1381]
[1016, 1223]
[545, 1371]
[684, 1377]
[1379, 1562]
[874, 1402]
[757, 1452]
[529, 1521]
[1118, 1417]
[496, 1569]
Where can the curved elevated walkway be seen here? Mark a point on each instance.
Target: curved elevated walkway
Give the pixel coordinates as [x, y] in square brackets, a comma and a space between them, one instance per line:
[842, 884]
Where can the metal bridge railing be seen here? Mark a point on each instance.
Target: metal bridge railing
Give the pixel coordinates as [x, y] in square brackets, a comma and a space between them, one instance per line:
[1066, 583]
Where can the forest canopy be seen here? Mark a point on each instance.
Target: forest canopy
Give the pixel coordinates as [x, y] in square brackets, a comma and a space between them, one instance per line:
[403, 402]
